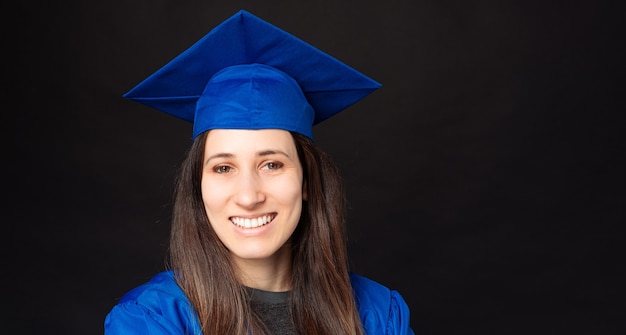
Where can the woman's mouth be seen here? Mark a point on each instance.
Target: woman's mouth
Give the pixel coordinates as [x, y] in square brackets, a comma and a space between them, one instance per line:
[252, 222]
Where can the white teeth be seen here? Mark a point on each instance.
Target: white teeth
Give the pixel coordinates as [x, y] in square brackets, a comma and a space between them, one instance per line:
[251, 223]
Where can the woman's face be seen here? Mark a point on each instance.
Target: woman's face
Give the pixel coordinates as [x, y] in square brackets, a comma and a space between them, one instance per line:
[252, 188]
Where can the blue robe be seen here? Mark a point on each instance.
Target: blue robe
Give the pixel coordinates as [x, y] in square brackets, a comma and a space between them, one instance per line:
[160, 307]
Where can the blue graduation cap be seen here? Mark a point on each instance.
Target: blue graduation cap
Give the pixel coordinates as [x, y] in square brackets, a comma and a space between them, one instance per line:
[249, 74]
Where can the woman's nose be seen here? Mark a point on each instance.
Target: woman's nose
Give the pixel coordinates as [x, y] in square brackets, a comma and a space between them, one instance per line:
[249, 191]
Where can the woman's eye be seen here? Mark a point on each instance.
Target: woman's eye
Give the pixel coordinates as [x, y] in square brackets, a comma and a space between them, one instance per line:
[222, 169]
[272, 166]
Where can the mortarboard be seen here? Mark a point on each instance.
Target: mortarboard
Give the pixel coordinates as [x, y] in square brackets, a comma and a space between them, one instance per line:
[249, 74]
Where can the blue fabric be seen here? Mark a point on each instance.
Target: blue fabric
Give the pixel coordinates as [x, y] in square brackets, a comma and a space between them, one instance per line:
[160, 307]
[313, 85]
[253, 96]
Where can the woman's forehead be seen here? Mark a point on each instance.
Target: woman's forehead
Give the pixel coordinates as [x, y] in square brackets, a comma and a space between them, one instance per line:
[245, 140]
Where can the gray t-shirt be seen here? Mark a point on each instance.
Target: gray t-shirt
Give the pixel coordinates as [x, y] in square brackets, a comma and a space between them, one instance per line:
[273, 309]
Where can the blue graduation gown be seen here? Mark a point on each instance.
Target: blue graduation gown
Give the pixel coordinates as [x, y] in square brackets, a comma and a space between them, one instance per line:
[160, 307]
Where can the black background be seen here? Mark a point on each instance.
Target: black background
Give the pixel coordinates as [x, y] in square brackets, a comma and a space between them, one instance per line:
[486, 177]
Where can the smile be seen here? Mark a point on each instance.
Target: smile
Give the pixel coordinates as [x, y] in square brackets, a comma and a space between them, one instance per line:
[252, 222]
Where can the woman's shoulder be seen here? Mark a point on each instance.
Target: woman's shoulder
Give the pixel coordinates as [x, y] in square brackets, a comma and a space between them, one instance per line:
[382, 310]
[158, 306]
[368, 289]
[160, 285]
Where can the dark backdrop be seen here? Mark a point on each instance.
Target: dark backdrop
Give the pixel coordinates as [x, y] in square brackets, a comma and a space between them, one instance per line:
[486, 177]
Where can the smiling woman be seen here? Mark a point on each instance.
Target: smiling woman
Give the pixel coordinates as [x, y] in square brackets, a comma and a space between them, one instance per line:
[252, 190]
[258, 239]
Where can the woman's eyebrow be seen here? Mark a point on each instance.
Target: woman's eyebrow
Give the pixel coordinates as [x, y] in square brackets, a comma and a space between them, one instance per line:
[218, 155]
[260, 154]
[272, 152]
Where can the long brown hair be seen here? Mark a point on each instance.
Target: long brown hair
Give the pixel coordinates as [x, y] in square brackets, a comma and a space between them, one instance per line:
[322, 301]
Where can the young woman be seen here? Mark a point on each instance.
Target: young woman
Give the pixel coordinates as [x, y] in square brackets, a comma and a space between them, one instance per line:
[258, 240]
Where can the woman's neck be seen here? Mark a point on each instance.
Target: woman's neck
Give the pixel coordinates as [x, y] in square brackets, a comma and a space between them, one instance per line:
[268, 274]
